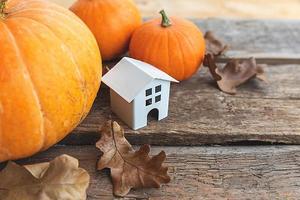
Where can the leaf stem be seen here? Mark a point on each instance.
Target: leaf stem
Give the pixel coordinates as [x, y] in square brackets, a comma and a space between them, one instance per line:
[165, 22]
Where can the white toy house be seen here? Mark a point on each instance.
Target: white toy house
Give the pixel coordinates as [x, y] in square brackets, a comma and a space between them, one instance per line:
[137, 89]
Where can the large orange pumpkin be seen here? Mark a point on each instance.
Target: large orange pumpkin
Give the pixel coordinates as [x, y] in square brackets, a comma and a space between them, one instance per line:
[111, 21]
[176, 46]
[50, 72]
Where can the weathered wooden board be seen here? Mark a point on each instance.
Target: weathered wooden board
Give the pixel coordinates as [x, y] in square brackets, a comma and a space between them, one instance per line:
[258, 172]
[270, 41]
[201, 114]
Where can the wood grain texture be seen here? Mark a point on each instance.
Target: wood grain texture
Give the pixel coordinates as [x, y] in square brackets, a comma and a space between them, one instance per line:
[258, 172]
[270, 41]
[201, 114]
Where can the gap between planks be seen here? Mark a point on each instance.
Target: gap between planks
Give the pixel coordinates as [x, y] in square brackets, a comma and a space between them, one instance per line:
[241, 172]
[279, 59]
[200, 114]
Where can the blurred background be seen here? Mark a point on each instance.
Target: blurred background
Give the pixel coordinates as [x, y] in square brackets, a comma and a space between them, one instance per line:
[254, 9]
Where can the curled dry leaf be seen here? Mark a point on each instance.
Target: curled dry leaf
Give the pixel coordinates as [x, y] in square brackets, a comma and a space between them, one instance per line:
[214, 46]
[58, 179]
[211, 64]
[129, 168]
[235, 73]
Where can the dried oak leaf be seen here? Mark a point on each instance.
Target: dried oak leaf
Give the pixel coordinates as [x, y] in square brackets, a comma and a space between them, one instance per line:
[214, 46]
[58, 179]
[129, 168]
[235, 73]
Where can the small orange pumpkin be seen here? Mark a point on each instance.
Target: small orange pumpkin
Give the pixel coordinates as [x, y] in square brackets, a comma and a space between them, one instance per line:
[50, 72]
[112, 23]
[176, 46]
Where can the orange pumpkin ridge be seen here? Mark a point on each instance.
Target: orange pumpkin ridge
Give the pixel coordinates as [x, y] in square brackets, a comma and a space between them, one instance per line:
[50, 72]
[174, 45]
[112, 23]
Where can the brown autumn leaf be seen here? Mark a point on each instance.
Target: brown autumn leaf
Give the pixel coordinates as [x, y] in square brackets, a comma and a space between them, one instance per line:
[235, 73]
[212, 66]
[214, 46]
[58, 179]
[129, 168]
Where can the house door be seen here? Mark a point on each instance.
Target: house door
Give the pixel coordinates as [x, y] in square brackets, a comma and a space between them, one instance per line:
[153, 115]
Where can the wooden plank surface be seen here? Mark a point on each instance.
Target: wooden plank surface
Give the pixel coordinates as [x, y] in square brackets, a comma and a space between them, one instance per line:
[270, 41]
[201, 114]
[257, 172]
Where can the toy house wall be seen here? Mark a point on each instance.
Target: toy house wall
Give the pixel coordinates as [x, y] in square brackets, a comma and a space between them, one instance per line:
[140, 109]
[122, 108]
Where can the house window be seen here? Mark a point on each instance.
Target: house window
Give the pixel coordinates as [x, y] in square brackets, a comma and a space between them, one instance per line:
[158, 98]
[157, 89]
[148, 92]
[148, 102]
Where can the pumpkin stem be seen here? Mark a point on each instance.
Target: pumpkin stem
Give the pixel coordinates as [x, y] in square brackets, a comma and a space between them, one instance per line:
[165, 22]
[2, 8]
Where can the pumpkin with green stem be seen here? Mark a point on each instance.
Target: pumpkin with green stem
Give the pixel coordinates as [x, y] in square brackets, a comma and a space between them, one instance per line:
[174, 45]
